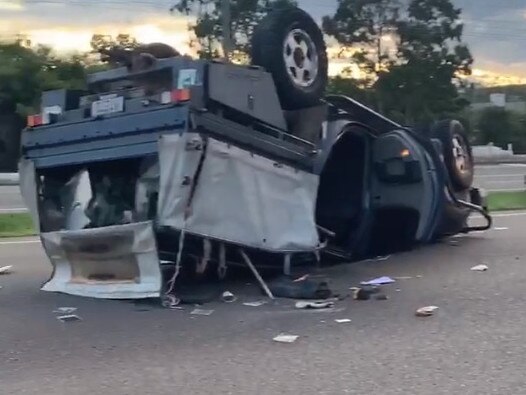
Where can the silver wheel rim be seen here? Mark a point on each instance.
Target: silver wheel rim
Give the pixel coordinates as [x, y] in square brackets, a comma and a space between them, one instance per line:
[460, 155]
[301, 58]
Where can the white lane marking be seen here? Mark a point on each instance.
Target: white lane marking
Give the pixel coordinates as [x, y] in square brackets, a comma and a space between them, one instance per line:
[19, 242]
[13, 210]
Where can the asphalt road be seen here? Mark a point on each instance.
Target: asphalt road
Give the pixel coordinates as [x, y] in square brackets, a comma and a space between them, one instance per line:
[473, 345]
[490, 177]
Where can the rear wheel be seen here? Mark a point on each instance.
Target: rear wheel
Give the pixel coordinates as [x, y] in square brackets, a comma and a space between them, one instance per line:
[289, 44]
[458, 156]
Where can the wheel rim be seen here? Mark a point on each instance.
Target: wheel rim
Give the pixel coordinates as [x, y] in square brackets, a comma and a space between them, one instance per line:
[301, 58]
[460, 154]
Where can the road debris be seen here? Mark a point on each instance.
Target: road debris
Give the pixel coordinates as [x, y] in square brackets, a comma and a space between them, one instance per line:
[284, 338]
[171, 302]
[255, 304]
[480, 268]
[401, 278]
[426, 311]
[314, 304]
[68, 318]
[6, 269]
[228, 297]
[65, 310]
[379, 281]
[363, 293]
[201, 312]
[309, 287]
[342, 320]
[501, 228]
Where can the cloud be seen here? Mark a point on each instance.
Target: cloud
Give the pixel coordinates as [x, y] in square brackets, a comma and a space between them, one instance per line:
[12, 5]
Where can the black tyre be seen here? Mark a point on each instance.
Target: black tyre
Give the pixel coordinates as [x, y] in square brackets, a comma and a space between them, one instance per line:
[458, 156]
[289, 44]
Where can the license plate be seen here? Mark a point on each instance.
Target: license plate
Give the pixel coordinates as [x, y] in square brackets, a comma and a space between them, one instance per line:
[107, 105]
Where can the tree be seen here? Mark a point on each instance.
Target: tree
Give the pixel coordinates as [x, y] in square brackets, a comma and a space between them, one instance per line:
[500, 127]
[423, 83]
[208, 28]
[104, 44]
[365, 24]
[25, 73]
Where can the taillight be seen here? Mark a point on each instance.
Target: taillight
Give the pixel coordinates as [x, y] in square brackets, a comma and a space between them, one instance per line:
[175, 96]
[35, 120]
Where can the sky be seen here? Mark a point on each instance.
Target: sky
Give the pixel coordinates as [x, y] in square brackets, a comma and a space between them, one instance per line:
[495, 30]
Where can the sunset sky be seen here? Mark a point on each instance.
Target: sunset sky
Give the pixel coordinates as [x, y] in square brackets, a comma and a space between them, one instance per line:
[494, 29]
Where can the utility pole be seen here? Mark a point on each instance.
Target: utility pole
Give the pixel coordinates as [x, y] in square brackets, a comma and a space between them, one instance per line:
[227, 30]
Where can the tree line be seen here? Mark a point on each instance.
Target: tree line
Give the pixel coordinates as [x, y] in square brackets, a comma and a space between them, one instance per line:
[406, 59]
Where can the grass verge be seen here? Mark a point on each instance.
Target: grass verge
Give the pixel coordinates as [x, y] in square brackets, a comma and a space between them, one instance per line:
[499, 201]
[16, 225]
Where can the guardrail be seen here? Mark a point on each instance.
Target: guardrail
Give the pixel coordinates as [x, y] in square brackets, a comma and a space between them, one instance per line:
[9, 178]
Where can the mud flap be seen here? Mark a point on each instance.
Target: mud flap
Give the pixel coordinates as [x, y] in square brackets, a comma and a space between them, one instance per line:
[116, 262]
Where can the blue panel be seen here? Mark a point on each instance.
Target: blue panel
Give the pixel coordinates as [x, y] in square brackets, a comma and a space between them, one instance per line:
[101, 129]
[106, 139]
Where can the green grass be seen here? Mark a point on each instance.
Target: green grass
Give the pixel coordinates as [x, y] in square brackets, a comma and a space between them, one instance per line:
[16, 225]
[499, 201]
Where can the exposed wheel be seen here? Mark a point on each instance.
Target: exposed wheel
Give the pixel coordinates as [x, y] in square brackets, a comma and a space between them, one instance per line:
[289, 44]
[458, 156]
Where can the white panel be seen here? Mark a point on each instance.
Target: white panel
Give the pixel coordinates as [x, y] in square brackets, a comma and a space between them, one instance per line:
[241, 198]
[127, 252]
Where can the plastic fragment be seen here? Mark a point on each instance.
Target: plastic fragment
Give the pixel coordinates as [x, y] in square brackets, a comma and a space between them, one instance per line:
[201, 312]
[314, 304]
[342, 320]
[6, 269]
[379, 281]
[284, 338]
[68, 318]
[255, 304]
[479, 268]
[426, 311]
[228, 297]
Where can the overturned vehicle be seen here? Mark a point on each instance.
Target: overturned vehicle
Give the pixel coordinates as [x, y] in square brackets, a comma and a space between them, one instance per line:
[170, 161]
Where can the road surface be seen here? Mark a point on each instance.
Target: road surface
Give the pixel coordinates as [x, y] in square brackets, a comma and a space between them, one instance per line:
[472, 346]
[491, 177]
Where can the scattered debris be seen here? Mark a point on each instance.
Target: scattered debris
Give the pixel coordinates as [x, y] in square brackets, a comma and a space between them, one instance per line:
[342, 320]
[419, 276]
[381, 297]
[312, 287]
[171, 302]
[501, 228]
[284, 338]
[426, 311]
[364, 293]
[379, 281]
[398, 290]
[454, 243]
[315, 305]
[68, 318]
[255, 304]
[5, 269]
[479, 268]
[382, 258]
[201, 312]
[65, 310]
[401, 278]
[228, 297]
[302, 278]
